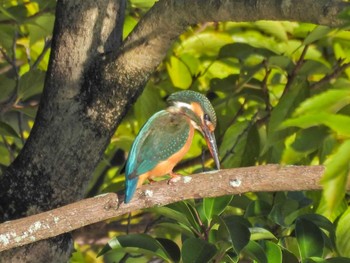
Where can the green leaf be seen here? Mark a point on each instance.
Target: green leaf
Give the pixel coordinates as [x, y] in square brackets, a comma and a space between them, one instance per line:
[238, 229]
[284, 212]
[309, 139]
[189, 211]
[338, 260]
[7, 130]
[342, 233]
[137, 243]
[224, 84]
[242, 51]
[215, 205]
[234, 144]
[289, 257]
[148, 103]
[285, 107]
[324, 223]
[337, 122]
[171, 248]
[31, 84]
[335, 176]
[7, 86]
[206, 43]
[274, 28]
[273, 252]
[173, 214]
[40, 27]
[310, 239]
[129, 24]
[257, 208]
[329, 101]
[258, 233]
[255, 251]
[179, 74]
[311, 67]
[180, 228]
[282, 62]
[195, 250]
[316, 34]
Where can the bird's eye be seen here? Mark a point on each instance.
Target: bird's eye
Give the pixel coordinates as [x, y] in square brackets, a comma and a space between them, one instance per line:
[206, 117]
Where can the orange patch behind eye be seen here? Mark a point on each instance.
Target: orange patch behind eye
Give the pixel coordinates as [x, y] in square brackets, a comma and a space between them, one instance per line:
[197, 109]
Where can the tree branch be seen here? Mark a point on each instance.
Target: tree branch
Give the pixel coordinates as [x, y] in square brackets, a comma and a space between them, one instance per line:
[267, 178]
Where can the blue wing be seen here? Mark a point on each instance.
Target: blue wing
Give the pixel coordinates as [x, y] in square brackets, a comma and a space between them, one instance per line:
[163, 135]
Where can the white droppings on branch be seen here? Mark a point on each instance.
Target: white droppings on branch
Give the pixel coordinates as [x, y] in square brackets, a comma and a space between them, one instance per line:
[187, 179]
[235, 182]
[5, 239]
[211, 172]
[149, 193]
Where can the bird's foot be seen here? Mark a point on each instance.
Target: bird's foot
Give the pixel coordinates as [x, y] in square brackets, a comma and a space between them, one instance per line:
[151, 181]
[174, 178]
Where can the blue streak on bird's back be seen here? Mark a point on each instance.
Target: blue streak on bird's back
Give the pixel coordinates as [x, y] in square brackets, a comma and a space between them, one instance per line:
[131, 170]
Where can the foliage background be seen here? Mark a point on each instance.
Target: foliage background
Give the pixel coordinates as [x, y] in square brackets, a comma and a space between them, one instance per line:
[281, 93]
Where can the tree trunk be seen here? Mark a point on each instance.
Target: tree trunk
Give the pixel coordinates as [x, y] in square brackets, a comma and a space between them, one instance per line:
[67, 140]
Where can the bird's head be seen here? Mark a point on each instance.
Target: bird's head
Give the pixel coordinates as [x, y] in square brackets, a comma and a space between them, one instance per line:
[199, 109]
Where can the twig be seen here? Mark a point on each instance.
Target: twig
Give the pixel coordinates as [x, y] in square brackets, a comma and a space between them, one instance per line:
[338, 69]
[295, 70]
[264, 88]
[20, 126]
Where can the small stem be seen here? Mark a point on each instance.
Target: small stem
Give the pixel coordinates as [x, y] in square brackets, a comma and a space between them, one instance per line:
[338, 69]
[295, 70]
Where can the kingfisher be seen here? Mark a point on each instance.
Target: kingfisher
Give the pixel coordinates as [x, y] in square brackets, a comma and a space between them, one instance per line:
[167, 136]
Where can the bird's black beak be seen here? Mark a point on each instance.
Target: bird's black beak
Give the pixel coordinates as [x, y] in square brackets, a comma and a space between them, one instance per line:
[211, 142]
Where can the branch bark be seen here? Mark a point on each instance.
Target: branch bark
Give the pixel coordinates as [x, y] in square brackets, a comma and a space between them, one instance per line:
[269, 178]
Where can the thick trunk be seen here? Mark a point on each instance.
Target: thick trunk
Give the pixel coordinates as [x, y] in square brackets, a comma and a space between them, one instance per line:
[66, 141]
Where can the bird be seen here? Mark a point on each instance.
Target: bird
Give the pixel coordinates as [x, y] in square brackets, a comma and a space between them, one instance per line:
[167, 136]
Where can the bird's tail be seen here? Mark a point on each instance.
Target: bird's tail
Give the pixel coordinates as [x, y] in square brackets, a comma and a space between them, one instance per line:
[130, 188]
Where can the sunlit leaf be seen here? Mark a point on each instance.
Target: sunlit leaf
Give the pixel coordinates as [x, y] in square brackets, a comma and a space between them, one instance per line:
[258, 233]
[208, 43]
[342, 233]
[318, 33]
[328, 101]
[337, 122]
[335, 176]
[273, 252]
[179, 73]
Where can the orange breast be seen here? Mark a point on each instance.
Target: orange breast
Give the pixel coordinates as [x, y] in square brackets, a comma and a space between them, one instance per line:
[165, 167]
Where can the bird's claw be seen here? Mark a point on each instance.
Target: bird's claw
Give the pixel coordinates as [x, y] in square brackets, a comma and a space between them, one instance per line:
[174, 178]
